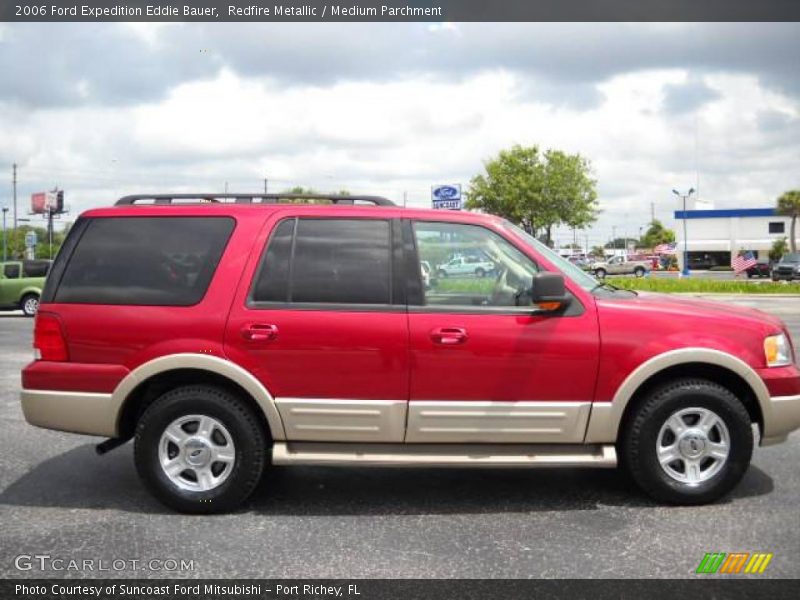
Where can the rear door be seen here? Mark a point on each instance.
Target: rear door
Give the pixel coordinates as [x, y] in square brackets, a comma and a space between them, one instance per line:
[485, 366]
[321, 320]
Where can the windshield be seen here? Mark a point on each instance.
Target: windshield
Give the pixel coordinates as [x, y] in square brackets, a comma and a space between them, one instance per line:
[574, 272]
[791, 258]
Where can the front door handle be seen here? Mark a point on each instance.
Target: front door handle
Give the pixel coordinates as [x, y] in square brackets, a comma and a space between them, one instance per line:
[259, 332]
[449, 336]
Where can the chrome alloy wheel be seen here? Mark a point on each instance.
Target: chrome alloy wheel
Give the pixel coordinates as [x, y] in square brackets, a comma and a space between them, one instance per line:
[693, 445]
[196, 453]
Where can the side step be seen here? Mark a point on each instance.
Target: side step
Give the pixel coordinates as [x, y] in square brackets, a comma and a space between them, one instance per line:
[444, 455]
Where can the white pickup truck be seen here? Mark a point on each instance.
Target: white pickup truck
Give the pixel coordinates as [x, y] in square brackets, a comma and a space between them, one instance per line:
[464, 265]
[621, 265]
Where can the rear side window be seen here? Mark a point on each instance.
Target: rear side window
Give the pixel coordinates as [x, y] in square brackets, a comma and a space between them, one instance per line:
[150, 261]
[11, 271]
[330, 261]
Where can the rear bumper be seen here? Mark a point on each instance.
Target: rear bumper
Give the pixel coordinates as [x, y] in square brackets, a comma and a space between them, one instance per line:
[76, 412]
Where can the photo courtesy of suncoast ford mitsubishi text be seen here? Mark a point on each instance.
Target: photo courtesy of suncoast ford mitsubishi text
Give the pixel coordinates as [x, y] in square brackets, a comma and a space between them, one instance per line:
[224, 333]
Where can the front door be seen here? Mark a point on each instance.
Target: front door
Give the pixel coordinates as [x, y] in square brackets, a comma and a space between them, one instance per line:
[325, 329]
[485, 367]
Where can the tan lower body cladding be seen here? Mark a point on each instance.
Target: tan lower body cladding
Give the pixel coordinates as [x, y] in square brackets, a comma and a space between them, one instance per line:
[392, 421]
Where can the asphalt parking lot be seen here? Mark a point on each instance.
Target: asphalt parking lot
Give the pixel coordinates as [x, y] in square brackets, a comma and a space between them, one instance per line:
[58, 498]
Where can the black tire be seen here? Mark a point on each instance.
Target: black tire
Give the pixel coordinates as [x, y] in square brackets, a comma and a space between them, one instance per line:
[246, 431]
[639, 272]
[637, 446]
[29, 304]
[442, 274]
[600, 273]
[479, 272]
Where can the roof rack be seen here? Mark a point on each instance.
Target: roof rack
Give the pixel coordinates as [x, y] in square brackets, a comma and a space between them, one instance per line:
[160, 199]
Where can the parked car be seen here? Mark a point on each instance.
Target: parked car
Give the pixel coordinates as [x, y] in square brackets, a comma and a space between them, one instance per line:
[21, 283]
[425, 269]
[762, 268]
[788, 268]
[223, 336]
[622, 265]
[465, 265]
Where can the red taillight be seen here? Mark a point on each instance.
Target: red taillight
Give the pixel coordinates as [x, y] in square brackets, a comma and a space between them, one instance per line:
[48, 338]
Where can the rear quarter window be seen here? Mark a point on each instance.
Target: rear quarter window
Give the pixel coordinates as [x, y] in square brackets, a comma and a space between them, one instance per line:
[149, 261]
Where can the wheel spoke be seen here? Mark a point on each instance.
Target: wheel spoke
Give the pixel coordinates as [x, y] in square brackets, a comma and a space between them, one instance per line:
[205, 479]
[176, 434]
[668, 454]
[676, 424]
[717, 450]
[222, 454]
[205, 427]
[692, 470]
[174, 468]
[707, 421]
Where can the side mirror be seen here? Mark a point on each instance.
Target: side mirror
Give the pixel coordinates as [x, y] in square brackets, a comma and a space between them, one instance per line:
[548, 291]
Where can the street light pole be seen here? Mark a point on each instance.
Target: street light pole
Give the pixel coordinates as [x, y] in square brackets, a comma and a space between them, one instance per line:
[685, 271]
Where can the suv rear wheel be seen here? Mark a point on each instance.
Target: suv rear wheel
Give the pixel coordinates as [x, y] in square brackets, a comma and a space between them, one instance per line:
[200, 449]
[689, 442]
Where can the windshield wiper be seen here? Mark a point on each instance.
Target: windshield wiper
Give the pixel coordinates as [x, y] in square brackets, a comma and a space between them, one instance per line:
[613, 288]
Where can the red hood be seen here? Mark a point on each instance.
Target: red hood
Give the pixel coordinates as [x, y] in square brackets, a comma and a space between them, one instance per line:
[691, 307]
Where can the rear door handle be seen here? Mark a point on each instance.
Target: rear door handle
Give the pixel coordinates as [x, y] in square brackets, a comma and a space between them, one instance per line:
[449, 336]
[259, 332]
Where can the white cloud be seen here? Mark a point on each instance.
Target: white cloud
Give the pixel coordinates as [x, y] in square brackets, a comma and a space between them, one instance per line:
[402, 132]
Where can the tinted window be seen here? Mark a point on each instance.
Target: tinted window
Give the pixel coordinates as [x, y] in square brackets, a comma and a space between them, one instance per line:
[777, 227]
[11, 271]
[342, 261]
[165, 261]
[272, 284]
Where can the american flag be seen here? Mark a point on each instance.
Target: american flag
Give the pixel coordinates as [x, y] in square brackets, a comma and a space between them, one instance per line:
[665, 248]
[742, 262]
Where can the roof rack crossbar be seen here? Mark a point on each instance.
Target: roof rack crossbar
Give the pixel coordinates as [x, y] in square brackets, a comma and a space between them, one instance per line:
[161, 199]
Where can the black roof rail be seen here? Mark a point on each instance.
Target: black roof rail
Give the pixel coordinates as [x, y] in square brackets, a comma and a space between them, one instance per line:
[161, 199]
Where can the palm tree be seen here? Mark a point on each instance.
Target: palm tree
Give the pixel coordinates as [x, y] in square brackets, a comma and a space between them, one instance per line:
[789, 205]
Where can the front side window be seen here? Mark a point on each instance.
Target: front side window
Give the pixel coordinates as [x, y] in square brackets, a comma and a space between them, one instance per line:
[144, 261]
[471, 266]
[329, 261]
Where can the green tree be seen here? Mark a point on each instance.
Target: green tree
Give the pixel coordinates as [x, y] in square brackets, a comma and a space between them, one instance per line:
[657, 234]
[536, 190]
[598, 251]
[789, 205]
[779, 248]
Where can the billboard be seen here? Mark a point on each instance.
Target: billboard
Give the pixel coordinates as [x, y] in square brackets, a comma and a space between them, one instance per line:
[47, 202]
[446, 197]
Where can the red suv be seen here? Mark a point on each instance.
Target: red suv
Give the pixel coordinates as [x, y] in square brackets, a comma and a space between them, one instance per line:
[224, 332]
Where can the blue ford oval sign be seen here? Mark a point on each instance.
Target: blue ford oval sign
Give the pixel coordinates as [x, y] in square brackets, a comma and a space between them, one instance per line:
[446, 196]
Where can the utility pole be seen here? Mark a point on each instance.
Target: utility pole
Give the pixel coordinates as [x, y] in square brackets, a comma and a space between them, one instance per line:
[265, 185]
[405, 199]
[14, 187]
[652, 212]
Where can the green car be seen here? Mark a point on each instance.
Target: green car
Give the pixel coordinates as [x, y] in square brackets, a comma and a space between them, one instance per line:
[21, 283]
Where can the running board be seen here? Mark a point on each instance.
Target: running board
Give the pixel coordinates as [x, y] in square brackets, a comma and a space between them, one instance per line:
[444, 455]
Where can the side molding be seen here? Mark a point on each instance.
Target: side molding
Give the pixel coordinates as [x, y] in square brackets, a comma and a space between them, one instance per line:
[605, 418]
[203, 362]
[343, 420]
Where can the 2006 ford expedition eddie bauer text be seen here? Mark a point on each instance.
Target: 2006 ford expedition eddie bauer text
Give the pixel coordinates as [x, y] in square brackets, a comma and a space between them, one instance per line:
[225, 332]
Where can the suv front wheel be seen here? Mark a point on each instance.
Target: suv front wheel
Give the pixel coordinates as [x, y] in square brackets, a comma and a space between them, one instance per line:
[200, 449]
[689, 442]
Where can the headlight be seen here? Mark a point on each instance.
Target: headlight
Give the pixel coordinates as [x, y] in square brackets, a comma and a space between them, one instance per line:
[777, 351]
